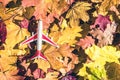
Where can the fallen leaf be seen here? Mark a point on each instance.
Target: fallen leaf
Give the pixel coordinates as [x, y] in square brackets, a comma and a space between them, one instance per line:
[86, 42]
[78, 11]
[42, 64]
[15, 34]
[112, 70]
[61, 56]
[105, 6]
[3, 32]
[10, 76]
[6, 61]
[68, 35]
[101, 22]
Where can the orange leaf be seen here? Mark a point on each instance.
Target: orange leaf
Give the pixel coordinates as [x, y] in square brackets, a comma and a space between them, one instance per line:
[86, 42]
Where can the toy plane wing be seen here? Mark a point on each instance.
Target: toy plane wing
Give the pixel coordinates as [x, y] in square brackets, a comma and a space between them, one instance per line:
[44, 38]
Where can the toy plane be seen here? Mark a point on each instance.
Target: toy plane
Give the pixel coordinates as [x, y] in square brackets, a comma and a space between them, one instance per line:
[39, 36]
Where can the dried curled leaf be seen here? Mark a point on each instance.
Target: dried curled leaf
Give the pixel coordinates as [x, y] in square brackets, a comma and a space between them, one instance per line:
[78, 11]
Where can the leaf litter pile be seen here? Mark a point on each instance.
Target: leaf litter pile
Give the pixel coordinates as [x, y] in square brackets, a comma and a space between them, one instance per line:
[87, 32]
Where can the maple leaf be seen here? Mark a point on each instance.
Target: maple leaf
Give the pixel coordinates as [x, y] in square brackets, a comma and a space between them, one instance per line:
[86, 42]
[105, 54]
[61, 37]
[15, 34]
[78, 11]
[7, 61]
[72, 32]
[105, 37]
[113, 8]
[57, 8]
[42, 64]
[100, 56]
[101, 22]
[105, 6]
[61, 56]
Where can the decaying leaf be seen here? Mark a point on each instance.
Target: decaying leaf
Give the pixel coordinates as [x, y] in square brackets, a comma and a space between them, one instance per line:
[96, 1]
[112, 70]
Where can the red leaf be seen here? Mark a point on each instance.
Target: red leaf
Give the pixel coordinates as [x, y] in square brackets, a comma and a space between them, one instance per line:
[3, 32]
[101, 22]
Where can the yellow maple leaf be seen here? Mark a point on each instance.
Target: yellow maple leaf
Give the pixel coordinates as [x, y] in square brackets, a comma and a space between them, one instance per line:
[42, 64]
[104, 54]
[15, 34]
[68, 35]
[105, 6]
[7, 61]
[79, 11]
